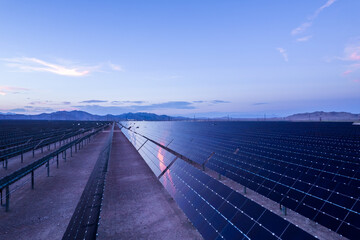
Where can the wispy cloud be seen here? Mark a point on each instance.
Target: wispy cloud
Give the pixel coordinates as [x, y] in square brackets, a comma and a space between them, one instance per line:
[37, 65]
[4, 90]
[319, 10]
[94, 101]
[304, 39]
[126, 102]
[301, 28]
[71, 70]
[304, 26]
[347, 72]
[169, 105]
[352, 52]
[115, 67]
[219, 101]
[211, 101]
[47, 103]
[40, 102]
[352, 56]
[283, 53]
[259, 103]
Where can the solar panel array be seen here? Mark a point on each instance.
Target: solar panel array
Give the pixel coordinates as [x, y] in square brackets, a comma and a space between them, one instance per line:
[17, 137]
[217, 211]
[311, 168]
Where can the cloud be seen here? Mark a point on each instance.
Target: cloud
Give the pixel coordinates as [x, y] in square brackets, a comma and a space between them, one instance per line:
[40, 102]
[4, 90]
[304, 39]
[352, 52]
[37, 65]
[211, 101]
[219, 101]
[64, 69]
[115, 67]
[304, 26]
[283, 53]
[347, 72]
[47, 102]
[94, 101]
[169, 105]
[351, 55]
[126, 102]
[259, 103]
[326, 5]
[301, 28]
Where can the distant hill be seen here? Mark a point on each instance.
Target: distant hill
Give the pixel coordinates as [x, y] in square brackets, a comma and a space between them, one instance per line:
[84, 116]
[324, 116]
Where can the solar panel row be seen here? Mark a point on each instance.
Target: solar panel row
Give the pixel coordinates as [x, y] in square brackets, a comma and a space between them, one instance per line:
[307, 167]
[18, 137]
[217, 211]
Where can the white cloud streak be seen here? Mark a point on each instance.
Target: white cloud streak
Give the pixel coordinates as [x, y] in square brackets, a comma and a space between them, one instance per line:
[319, 10]
[4, 90]
[304, 39]
[115, 67]
[304, 26]
[351, 55]
[283, 53]
[38, 65]
[301, 28]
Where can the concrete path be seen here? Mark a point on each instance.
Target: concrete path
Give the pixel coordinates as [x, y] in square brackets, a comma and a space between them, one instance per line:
[136, 205]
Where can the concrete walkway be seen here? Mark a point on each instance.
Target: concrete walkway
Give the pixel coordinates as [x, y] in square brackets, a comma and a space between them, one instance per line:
[136, 205]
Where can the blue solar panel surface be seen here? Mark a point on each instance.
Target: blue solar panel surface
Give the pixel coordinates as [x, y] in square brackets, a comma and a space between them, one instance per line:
[217, 211]
[312, 168]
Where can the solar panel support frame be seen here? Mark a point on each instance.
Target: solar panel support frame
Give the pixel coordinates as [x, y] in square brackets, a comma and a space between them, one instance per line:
[172, 162]
[143, 144]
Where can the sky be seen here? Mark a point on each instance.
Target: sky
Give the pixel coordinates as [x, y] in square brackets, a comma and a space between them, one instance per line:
[182, 58]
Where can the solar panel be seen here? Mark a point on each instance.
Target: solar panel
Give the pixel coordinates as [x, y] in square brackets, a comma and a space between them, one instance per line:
[217, 211]
[312, 168]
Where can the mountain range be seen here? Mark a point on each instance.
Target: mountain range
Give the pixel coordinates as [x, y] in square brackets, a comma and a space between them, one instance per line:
[324, 116]
[84, 116]
[143, 116]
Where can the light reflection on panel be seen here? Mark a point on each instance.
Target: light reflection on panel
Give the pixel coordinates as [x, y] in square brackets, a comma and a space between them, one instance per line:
[156, 157]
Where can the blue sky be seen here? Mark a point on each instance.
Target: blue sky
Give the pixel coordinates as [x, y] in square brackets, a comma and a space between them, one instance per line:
[181, 57]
